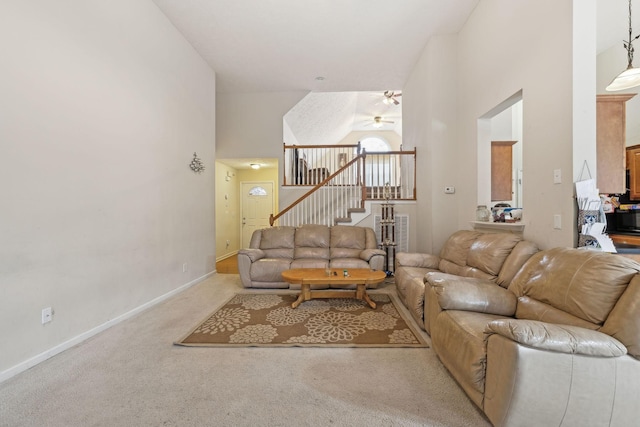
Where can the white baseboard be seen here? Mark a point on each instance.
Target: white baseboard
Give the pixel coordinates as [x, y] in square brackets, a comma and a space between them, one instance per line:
[29, 363]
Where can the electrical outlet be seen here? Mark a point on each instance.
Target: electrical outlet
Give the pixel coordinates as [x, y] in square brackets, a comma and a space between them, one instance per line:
[184, 267]
[449, 190]
[228, 242]
[557, 222]
[47, 315]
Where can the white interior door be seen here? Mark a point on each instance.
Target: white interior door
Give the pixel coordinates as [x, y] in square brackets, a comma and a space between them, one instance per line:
[257, 205]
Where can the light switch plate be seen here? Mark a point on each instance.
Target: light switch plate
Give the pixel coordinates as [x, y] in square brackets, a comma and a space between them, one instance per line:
[557, 222]
[557, 176]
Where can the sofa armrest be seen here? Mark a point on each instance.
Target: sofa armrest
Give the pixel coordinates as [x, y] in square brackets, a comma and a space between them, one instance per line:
[246, 258]
[411, 259]
[375, 258]
[253, 254]
[367, 254]
[471, 294]
[525, 386]
[557, 338]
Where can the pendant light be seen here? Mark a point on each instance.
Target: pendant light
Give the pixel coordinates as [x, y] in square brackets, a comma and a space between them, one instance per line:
[631, 76]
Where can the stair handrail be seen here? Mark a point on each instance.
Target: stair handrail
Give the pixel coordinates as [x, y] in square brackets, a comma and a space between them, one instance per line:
[274, 218]
[343, 149]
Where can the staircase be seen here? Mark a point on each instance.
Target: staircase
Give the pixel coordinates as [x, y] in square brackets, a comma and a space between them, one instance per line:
[333, 200]
[345, 196]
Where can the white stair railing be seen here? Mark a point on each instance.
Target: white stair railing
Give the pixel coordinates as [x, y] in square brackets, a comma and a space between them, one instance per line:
[310, 165]
[328, 202]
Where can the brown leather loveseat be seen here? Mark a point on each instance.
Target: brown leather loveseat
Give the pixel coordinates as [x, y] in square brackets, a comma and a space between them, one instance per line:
[276, 249]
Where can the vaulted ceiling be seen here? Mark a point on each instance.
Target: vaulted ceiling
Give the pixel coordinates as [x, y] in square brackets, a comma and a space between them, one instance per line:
[356, 45]
[281, 45]
[332, 45]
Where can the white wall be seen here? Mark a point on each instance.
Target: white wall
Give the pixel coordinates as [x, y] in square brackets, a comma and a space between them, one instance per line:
[492, 68]
[429, 117]
[227, 211]
[103, 105]
[250, 125]
[501, 50]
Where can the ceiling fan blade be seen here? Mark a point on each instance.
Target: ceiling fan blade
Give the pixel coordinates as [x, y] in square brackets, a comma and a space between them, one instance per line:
[390, 97]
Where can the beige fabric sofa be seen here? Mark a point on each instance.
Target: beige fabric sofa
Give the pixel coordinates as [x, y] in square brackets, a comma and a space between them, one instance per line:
[273, 250]
[559, 347]
[491, 256]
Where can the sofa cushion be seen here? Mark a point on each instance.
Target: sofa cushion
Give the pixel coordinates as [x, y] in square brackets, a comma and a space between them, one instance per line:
[347, 241]
[584, 283]
[312, 241]
[269, 269]
[489, 251]
[478, 274]
[310, 263]
[408, 259]
[457, 246]
[278, 242]
[532, 309]
[371, 241]
[450, 267]
[516, 259]
[348, 263]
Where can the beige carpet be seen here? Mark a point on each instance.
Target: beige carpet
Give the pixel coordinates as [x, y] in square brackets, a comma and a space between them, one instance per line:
[261, 319]
[133, 375]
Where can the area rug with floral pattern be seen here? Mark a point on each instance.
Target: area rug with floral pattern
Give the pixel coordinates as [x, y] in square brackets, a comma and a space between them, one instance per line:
[260, 319]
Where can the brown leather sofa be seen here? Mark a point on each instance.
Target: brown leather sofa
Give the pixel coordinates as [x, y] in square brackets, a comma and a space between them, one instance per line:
[274, 250]
[491, 256]
[559, 347]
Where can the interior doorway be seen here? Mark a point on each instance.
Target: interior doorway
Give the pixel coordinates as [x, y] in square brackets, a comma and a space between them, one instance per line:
[503, 123]
[257, 204]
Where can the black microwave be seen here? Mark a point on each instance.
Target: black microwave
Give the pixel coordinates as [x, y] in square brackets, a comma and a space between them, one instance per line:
[628, 220]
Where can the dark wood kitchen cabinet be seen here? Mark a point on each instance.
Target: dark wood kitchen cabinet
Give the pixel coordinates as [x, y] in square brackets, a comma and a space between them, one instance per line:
[610, 142]
[633, 164]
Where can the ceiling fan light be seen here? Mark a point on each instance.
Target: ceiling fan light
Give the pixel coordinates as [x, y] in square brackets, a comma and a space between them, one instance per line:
[377, 124]
[627, 79]
[255, 166]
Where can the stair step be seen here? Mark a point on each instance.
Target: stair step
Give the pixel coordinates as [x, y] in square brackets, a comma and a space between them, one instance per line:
[343, 219]
[356, 210]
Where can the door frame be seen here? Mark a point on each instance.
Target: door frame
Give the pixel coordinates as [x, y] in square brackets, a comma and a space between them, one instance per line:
[273, 202]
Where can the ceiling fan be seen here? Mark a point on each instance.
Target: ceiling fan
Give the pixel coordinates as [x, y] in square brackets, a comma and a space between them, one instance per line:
[378, 122]
[390, 97]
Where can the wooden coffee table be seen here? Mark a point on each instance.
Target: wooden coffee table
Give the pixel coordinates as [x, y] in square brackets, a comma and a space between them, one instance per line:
[305, 277]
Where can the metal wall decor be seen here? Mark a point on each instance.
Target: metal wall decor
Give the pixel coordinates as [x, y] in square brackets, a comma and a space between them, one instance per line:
[196, 164]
